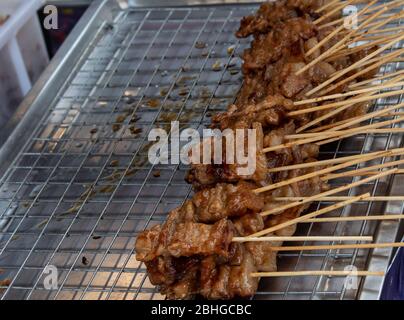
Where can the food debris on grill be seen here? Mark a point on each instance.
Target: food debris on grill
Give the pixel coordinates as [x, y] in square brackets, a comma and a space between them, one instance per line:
[134, 130]
[3, 19]
[5, 282]
[153, 103]
[230, 50]
[200, 45]
[84, 261]
[217, 66]
[114, 163]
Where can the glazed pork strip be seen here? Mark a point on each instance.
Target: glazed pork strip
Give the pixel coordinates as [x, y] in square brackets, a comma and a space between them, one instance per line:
[184, 233]
[226, 201]
[201, 239]
[271, 13]
[270, 113]
[204, 175]
[226, 281]
[188, 239]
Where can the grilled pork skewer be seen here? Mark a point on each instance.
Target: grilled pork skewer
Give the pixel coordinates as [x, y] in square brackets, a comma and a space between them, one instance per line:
[193, 253]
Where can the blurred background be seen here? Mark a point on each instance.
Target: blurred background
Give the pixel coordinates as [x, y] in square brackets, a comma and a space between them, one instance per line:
[26, 47]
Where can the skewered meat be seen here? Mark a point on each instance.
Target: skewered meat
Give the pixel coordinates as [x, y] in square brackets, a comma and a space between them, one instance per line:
[226, 200]
[192, 253]
[201, 239]
[188, 238]
[202, 175]
[227, 281]
[269, 113]
[183, 234]
[271, 13]
[206, 175]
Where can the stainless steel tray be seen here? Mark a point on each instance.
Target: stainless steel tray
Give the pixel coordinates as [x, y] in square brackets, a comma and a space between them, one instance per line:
[66, 202]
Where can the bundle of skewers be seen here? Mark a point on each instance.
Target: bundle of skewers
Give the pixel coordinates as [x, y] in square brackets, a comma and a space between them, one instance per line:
[308, 81]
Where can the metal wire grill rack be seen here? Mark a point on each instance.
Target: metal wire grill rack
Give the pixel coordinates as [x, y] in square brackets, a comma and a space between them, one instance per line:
[81, 187]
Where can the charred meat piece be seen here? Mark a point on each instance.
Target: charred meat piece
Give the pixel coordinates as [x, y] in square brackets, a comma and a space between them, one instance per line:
[187, 239]
[283, 40]
[225, 281]
[186, 284]
[271, 13]
[271, 63]
[226, 201]
[146, 243]
[269, 113]
[249, 224]
[201, 239]
[241, 283]
[252, 167]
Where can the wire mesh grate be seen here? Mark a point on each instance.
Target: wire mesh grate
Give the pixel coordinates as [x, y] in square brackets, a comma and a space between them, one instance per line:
[82, 188]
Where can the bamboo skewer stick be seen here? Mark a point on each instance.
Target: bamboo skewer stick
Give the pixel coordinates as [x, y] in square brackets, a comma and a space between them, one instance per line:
[356, 218]
[335, 124]
[327, 5]
[325, 116]
[309, 216]
[331, 125]
[341, 198]
[336, 111]
[349, 51]
[342, 27]
[383, 20]
[298, 238]
[355, 65]
[334, 10]
[385, 76]
[341, 42]
[366, 98]
[361, 174]
[317, 273]
[371, 36]
[377, 25]
[374, 155]
[391, 130]
[325, 40]
[385, 30]
[363, 170]
[327, 193]
[331, 136]
[373, 64]
[389, 6]
[367, 117]
[316, 173]
[368, 131]
[350, 93]
[341, 246]
[352, 132]
[349, 123]
[299, 142]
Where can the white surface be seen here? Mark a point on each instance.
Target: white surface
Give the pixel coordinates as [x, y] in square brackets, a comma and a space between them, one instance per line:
[23, 54]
